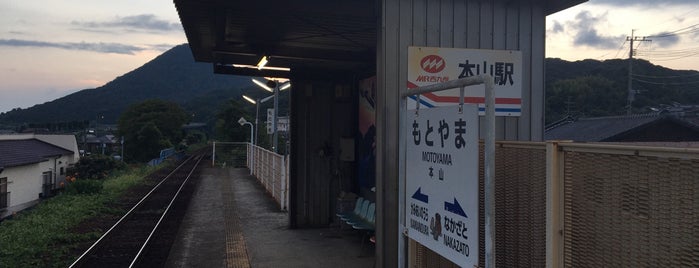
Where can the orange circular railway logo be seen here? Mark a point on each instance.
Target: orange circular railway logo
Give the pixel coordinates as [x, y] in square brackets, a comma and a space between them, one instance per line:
[432, 64]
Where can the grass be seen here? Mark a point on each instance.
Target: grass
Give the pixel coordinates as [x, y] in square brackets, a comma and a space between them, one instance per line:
[41, 237]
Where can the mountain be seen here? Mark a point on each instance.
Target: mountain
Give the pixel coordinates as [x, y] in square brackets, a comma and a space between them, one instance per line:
[172, 76]
[582, 88]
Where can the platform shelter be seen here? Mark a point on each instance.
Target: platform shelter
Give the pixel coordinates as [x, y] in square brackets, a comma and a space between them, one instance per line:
[348, 63]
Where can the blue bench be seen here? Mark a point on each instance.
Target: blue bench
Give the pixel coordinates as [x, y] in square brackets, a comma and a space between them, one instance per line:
[363, 217]
[357, 209]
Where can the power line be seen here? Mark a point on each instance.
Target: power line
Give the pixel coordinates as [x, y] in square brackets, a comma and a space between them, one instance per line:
[675, 18]
[677, 58]
[671, 76]
[666, 84]
[671, 53]
[623, 42]
[690, 29]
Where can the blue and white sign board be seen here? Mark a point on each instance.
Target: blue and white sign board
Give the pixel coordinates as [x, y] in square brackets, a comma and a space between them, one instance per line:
[442, 181]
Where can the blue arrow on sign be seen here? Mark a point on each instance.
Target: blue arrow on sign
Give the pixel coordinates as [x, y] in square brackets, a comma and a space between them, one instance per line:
[420, 196]
[454, 208]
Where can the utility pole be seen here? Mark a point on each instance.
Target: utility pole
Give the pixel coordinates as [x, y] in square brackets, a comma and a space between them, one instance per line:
[275, 136]
[631, 93]
[569, 104]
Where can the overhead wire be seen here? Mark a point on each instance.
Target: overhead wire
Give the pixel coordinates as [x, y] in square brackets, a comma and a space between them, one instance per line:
[674, 19]
[689, 29]
[667, 55]
[670, 76]
[666, 84]
[623, 42]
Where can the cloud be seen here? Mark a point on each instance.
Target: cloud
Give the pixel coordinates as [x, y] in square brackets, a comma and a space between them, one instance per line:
[665, 39]
[16, 32]
[557, 27]
[585, 25]
[161, 47]
[89, 30]
[653, 3]
[115, 48]
[143, 22]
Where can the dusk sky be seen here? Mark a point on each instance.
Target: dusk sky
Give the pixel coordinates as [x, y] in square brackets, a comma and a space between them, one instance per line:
[52, 48]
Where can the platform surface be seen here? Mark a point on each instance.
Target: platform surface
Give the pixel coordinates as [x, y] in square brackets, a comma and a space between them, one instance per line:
[232, 222]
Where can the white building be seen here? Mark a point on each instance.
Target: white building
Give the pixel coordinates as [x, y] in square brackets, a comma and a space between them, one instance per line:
[32, 167]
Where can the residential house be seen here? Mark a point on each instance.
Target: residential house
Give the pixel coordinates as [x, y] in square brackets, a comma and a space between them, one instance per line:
[106, 144]
[32, 167]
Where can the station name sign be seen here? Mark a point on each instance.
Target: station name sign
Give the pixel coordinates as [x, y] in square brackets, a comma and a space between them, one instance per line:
[431, 65]
[442, 181]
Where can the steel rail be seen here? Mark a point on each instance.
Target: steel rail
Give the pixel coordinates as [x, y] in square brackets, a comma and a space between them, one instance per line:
[167, 209]
[128, 213]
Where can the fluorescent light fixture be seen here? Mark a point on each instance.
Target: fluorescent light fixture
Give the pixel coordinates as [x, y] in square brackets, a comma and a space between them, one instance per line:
[262, 85]
[262, 63]
[267, 98]
[285, 86]
[277, 68]
[279, 80]
[263, 68]
[250, 100]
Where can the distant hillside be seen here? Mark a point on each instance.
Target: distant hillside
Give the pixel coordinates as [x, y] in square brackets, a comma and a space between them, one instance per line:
[581, 88]
[171, 76]
[590, 88]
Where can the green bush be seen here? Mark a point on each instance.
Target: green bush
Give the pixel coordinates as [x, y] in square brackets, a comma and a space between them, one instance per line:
[95, 167]
[46, 236]
[84, 187]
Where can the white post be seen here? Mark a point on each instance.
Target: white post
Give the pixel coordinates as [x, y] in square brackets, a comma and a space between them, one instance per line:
[274, 170]
[257, 161]
[251, 157]
[282, 198]
[251, 149]
[554, 206]
[489, 188]
[274, 179]
[213, 157]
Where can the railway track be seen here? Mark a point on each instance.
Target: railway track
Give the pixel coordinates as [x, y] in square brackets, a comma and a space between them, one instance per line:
[144, 235]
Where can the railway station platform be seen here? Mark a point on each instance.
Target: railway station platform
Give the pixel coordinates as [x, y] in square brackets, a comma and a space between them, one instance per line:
[232, 222]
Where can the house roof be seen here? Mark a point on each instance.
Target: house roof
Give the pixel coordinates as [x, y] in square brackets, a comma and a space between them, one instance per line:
[25, 152]
[604, 128]
[106, 139]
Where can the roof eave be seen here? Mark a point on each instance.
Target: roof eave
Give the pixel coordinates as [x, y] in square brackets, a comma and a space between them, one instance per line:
[553, 6]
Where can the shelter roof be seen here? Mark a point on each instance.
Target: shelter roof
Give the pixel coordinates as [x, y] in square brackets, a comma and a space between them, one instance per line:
[30, 151]
[318, 34]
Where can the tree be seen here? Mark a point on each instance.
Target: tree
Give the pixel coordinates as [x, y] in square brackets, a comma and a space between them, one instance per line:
[587, 96]
[227, 126]
[150, 126]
